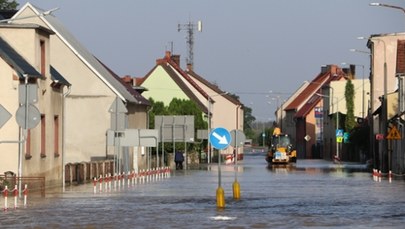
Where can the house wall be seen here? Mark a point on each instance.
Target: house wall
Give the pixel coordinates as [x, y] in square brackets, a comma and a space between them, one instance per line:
[10, 130]
[384, 49]
[339, 103]
[87, 105]
[26, 41]
[224, 113]
[310, 131]
[300, 141]
[161, 87]
[289, 126]
[136, 120]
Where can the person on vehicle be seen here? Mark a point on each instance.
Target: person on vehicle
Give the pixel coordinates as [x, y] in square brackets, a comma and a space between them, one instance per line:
[178, 159]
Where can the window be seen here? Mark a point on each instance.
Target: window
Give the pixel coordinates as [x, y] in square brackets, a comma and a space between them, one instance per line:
[42, 46]
[56, 135]
[43, 136]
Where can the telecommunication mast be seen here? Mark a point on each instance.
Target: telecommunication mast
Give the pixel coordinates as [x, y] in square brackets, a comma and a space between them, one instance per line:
[190, 27]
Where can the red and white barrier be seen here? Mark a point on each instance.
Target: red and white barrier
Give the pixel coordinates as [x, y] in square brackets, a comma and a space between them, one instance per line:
[125, 180]
[5, 195]
[14, 192]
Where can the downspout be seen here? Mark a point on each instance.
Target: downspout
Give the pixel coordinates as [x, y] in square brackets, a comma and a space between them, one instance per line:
[63, 135]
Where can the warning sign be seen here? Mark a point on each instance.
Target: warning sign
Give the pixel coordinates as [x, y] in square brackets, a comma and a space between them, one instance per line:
[393, 134]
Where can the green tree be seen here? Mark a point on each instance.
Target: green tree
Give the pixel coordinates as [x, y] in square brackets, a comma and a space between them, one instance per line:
[8, 5]
[187, 107]
[158, 108]
[350, 121]
[177, 107]
[248, 122]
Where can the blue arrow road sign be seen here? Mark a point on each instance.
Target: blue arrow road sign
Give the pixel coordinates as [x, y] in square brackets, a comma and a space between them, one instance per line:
[339, 133]
[220, 138]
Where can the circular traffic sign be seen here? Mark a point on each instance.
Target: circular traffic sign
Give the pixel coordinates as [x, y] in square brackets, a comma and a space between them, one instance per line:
[32, 119]
[220, 138]
[238, 138]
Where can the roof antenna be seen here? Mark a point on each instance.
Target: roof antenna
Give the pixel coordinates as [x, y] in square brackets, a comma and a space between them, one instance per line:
[190, 27]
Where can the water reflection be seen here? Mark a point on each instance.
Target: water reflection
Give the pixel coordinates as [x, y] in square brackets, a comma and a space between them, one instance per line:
[319, 166]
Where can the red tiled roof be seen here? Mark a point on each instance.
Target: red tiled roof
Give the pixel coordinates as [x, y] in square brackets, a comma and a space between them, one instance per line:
[307, 99]
[213, 87]
[139, 98]
[308, 107]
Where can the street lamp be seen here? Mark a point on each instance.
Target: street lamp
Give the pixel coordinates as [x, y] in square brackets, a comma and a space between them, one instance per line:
[276, 98]
[387, 5]
[209, 100]
[337, 115]
[360, 51]
[45, 13]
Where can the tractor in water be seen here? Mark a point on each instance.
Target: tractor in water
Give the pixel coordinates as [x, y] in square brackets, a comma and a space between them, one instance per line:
[281, 150]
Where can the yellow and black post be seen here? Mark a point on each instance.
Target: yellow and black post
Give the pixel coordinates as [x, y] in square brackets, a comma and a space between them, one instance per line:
[220, 190]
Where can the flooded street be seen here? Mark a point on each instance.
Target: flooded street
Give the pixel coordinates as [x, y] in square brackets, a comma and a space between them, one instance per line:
[312, 193]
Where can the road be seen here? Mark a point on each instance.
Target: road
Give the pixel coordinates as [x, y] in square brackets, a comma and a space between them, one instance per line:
[313, 193]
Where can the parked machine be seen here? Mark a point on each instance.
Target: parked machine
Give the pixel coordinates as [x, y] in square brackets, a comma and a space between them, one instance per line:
[281, 150]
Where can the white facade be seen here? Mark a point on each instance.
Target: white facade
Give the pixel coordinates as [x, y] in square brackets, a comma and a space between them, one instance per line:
[93, 91]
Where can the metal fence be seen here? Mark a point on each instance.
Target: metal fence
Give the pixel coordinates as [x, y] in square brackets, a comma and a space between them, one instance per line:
[36, 185]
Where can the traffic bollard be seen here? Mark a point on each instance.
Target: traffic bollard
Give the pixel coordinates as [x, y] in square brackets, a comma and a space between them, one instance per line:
[25, 193]
[5, 195]
[95, 185]
[15, 194]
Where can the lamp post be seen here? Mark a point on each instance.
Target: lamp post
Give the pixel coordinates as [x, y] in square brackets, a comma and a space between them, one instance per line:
[387, 5]
[209, 101]
[337, 114]
[360, 51]
[276, 98]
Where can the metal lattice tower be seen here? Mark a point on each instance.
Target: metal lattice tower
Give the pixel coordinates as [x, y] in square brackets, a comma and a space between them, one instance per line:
[190, 27]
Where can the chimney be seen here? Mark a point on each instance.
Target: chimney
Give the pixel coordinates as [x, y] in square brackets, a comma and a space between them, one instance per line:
[189, 67]
[333, 69]
[168, 54]
[324, 68]
[176, 59]
[352, 73]
[401, 56]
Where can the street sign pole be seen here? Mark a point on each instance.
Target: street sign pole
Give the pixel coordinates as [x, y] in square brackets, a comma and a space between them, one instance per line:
[238, 139]
[220, 139]
[117, 110]
[24, 136]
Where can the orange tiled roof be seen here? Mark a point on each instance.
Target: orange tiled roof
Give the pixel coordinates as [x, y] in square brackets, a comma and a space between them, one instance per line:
[308, 99]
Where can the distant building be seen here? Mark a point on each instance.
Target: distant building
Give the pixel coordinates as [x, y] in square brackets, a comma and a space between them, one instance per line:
[308, 113]
[75, 118]
[387, 65]
[167, 81]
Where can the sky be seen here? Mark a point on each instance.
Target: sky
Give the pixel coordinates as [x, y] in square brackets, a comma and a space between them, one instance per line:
[260, 50]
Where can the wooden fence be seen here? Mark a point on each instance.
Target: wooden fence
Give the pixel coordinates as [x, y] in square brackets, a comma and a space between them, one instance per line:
[79, 173]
